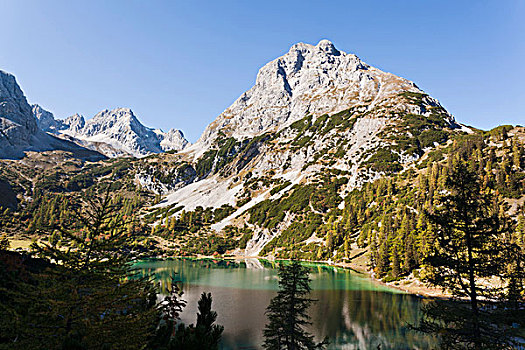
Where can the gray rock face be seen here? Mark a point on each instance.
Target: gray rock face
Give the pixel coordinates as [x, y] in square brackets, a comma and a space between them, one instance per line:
[19, 131]
[17, 125]
[45, 120]
[308, 79]
[173, 140]
[122, 131]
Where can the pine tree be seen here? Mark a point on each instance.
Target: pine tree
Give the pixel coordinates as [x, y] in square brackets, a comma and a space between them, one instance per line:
[4, 242]
[204, 335]
[516, 154]
[396, 264]
[346, 248]
[472, 245]
[520, 231]
[209, 332]
[170, 309]
[287, 312]
[383, 259]
[89, 297]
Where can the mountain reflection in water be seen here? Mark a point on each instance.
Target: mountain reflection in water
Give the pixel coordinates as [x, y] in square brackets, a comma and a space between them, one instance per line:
[353, 311]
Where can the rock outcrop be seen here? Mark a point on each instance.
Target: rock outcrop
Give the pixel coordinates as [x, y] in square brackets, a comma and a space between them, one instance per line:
[19, 130]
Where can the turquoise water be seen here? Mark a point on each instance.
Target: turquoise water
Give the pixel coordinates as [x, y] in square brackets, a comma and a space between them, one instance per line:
[353, 311]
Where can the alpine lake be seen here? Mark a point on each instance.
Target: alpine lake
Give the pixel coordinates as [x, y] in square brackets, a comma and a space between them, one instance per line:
[353, 311]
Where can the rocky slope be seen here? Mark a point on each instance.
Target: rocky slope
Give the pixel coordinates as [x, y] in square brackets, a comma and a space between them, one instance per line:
[19, 131]
[314, 110]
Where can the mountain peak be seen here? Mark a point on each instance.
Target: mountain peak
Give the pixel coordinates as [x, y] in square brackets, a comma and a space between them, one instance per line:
[123, 110]
[324, 45]
[74, 123]
[123, 132]
[308, 79]
[45, 120]
[19, 125]
[116, 114]
[328, 47]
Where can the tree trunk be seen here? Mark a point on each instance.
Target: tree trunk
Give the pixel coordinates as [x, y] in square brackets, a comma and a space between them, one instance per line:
[473, 292]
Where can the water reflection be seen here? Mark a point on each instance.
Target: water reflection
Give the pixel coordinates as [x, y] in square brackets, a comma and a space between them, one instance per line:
[354, 312]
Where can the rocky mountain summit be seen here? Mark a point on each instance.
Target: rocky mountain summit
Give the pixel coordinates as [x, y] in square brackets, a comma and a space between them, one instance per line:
[173, 140]
[120, 129]
[74, 123]
[19, 129]
[114, 133]
[308, 80]
[310, 102]
[45, 119]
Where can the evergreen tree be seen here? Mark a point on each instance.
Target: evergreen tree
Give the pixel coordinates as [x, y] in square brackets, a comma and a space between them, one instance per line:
[209, 333]
[4, 242]
[472, 244]
[287, 312]
[89, 298]
[516, 154]
[204, 335]
[170, 309]
[396, 264]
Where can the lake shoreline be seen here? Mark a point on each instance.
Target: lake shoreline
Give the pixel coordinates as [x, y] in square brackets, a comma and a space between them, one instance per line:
[408, 285]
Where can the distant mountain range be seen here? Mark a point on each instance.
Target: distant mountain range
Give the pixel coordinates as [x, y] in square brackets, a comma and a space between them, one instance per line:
[19, 131]
[112, 133]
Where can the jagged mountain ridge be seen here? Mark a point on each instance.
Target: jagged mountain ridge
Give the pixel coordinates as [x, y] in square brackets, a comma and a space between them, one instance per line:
[19, 131]
[121, 129]
[114, 133]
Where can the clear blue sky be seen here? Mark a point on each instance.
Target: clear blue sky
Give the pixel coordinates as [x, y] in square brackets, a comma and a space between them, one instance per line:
[181, 63]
